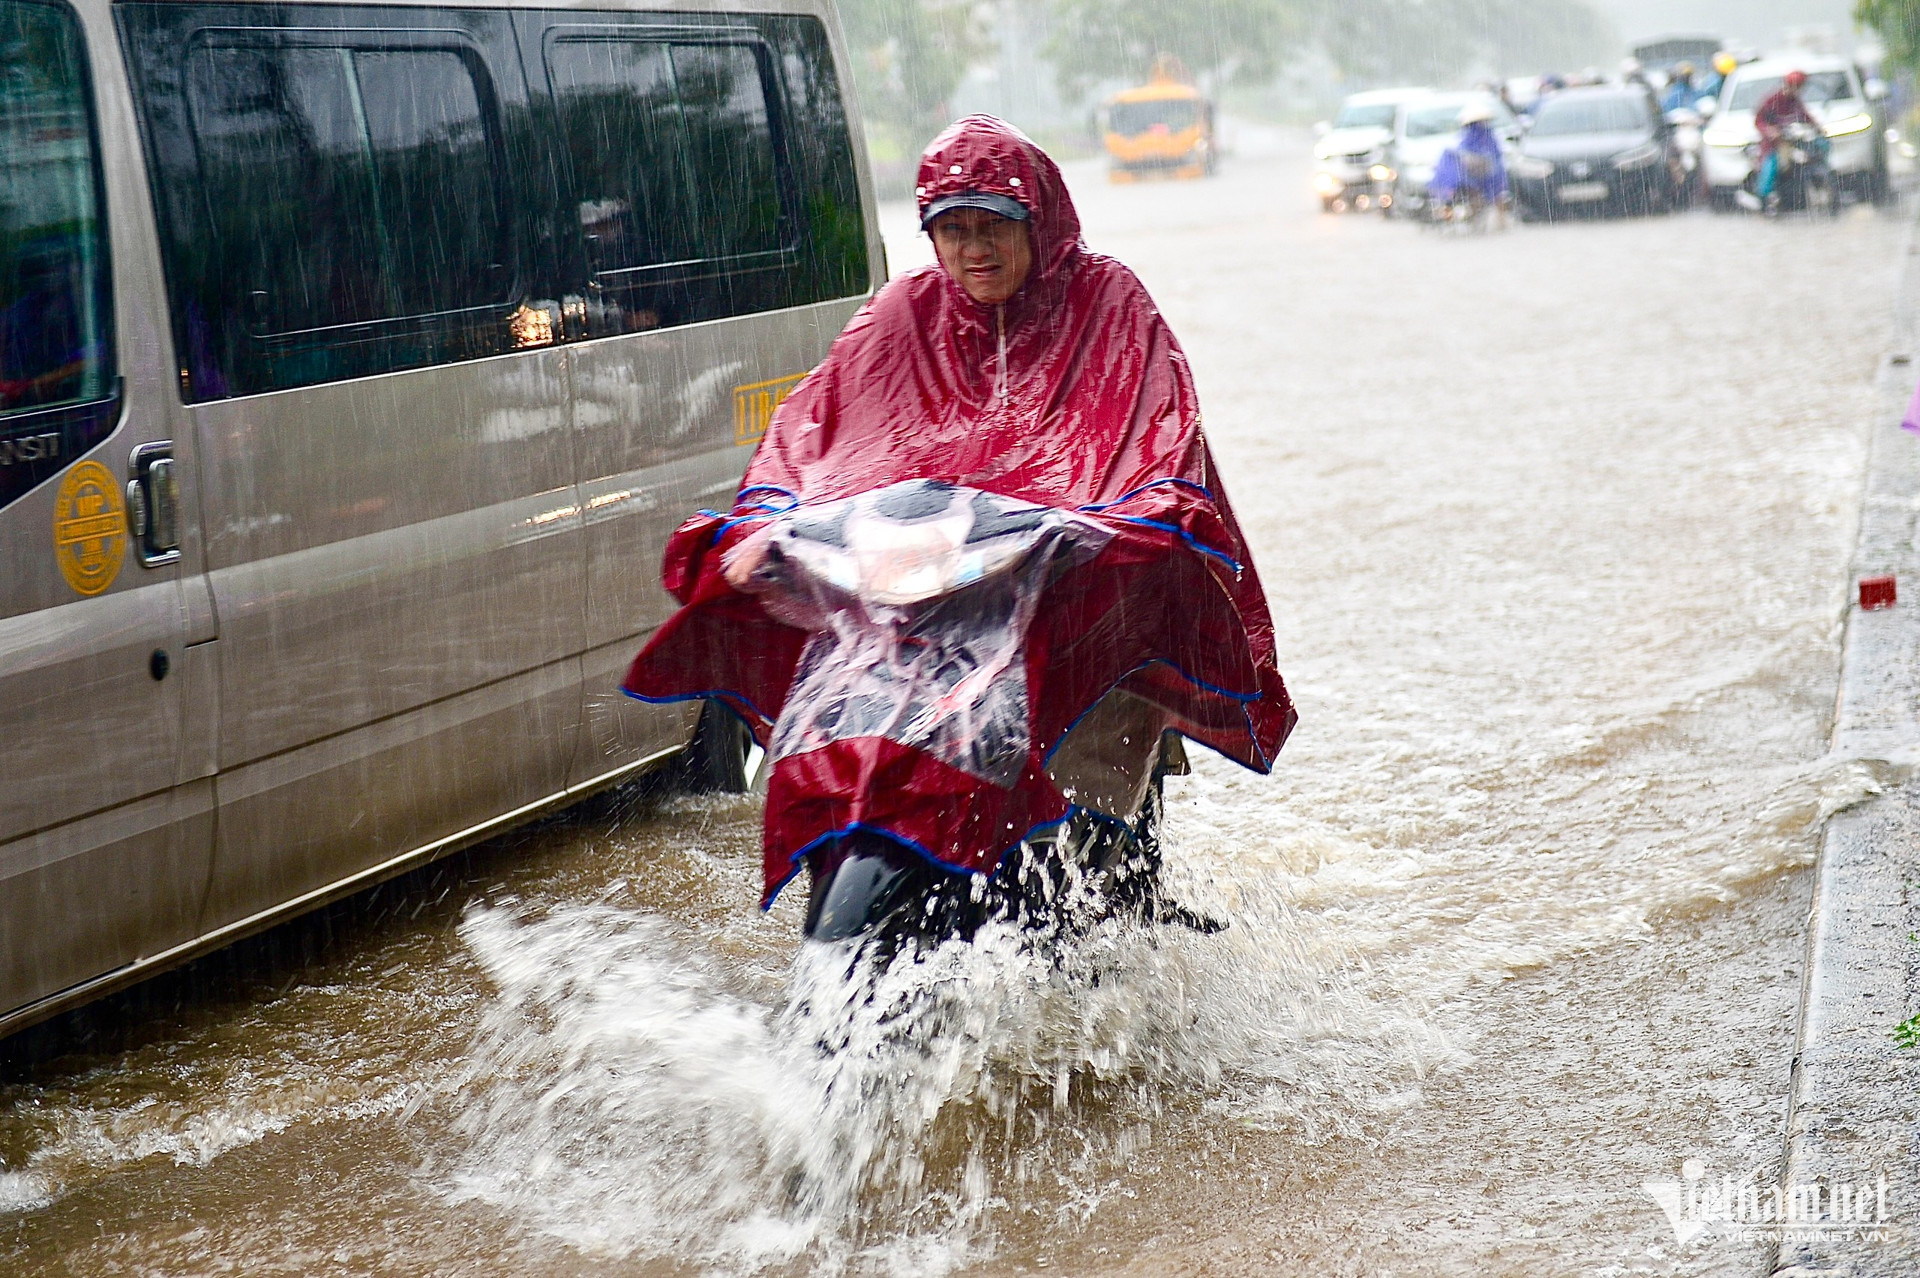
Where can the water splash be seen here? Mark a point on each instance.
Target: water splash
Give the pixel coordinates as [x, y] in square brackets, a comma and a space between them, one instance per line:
[633, 1093]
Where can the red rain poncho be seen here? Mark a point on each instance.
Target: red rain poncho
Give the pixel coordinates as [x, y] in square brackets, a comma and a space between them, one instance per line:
[1091, 408]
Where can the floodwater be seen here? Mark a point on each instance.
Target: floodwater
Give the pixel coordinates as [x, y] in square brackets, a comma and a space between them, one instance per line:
[1556, 526]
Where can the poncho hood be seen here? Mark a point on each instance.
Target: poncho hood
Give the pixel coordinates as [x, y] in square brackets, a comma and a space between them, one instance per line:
[1074, 395]
[981, 153]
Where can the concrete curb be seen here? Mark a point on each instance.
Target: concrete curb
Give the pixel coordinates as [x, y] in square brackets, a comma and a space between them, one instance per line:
[1855, 1098]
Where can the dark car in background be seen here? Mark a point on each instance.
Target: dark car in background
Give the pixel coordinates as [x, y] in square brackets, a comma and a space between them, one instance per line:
[1600, 149]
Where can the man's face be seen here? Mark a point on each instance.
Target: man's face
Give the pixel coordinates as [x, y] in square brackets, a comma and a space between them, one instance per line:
[989, 255]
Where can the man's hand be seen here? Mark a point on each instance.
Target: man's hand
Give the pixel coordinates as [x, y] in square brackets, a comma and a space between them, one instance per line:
[744, 562]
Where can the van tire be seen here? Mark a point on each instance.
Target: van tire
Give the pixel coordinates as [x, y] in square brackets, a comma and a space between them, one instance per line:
[715, 761]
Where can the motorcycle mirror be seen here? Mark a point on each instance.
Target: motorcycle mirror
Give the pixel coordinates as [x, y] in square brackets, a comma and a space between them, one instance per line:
[1877, 90]
[1707, 106]
[1682, 117]
[1321, 128]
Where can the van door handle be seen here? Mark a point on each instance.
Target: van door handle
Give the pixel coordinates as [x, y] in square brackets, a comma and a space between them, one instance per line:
[153, 504]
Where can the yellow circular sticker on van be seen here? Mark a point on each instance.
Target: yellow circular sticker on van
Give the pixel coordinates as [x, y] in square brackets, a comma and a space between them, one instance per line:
[89, 528]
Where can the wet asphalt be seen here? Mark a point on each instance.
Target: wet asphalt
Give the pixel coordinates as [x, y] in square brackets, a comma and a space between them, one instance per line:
[1555, 523]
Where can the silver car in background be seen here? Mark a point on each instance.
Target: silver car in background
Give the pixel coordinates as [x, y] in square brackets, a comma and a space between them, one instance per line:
[1348, 148]
[1424, 127]
[355, 363]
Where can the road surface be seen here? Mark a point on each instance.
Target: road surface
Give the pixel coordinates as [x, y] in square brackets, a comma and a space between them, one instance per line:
[1555, 524]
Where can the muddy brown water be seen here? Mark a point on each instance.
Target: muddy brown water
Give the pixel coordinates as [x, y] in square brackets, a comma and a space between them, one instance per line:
[1556, 525]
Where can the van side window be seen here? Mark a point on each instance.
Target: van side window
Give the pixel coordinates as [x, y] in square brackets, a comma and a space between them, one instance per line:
[57, 389]
[346, 190]
[331, 198]
[730, 148]
[344, 186]
[676, 180]
[833, 249]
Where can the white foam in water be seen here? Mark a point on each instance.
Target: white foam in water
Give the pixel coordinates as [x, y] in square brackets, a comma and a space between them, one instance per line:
[631, 1093]
[22, 1191]
[81, 1142]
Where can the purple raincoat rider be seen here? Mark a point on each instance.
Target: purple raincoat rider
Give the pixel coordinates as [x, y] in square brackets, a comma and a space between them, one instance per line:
[1473, 162]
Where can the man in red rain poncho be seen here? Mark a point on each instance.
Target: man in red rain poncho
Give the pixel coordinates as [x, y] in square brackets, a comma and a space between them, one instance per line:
[1027, 366]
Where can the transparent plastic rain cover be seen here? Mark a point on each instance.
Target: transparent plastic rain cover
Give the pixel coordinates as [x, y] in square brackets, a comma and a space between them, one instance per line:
[916, 599]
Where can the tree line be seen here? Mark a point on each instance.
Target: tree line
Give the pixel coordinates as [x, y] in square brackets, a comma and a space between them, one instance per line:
[1898, 24]
[909, 55]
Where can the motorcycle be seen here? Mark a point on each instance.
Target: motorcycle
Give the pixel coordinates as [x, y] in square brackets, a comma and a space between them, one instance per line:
[916, 600]
[1687, 125]
[1461, 194]
[1803, 179]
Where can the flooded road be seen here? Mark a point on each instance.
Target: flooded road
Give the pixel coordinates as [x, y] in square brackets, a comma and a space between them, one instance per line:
[1555, 524]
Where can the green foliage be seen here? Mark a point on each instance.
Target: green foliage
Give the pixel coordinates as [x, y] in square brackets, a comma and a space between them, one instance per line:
[1436, 40]
[1907, 1032]
[1898, 22]
[909, 55]
[1372, 40]
[1219, 40]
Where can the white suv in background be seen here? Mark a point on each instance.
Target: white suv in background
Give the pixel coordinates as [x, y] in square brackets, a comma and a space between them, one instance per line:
[1348, 148]
[1852, 113]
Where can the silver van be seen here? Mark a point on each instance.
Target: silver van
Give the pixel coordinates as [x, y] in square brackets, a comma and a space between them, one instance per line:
[355, 362]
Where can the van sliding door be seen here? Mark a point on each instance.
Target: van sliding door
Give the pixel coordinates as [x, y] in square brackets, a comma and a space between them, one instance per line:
[710, 223]
[357, 283]
[104, 832]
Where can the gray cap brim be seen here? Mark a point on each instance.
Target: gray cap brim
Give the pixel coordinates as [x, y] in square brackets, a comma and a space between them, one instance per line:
[1005, 205]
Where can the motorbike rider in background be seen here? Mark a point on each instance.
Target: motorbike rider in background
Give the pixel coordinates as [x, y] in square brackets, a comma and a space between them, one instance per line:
[1550, 83]
[1783, 107]
[1504, 91]
[1681, 93]
[1473, 164]
[1724, 64]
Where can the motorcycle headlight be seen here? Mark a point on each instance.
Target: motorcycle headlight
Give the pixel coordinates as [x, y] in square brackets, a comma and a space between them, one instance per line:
[1637, 157]
[1527, 167]
[1381, 173]
[1849, 125]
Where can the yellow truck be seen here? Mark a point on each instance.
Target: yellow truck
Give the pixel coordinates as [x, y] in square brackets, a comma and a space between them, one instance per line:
[1162, 129]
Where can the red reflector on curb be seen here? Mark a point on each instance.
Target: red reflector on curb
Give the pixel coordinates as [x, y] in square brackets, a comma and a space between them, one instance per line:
[1876, 592]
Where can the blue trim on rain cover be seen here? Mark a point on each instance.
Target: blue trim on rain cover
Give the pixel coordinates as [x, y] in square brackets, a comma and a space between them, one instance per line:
[1244, 698]
[768, 510]
[794, 862]
[1183, 535]
[1202, 489]
[717, 694]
